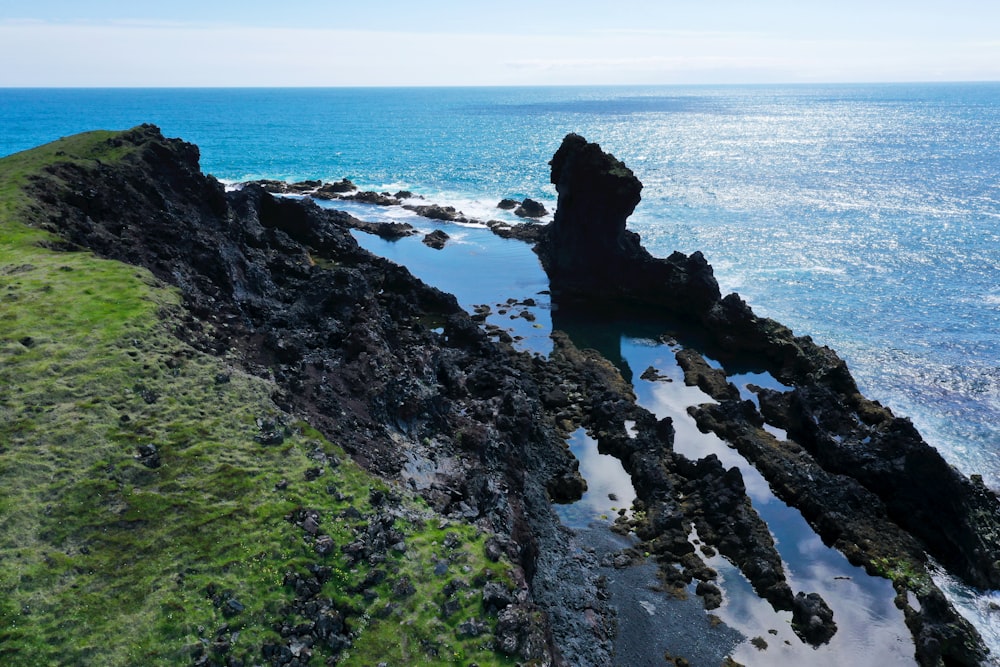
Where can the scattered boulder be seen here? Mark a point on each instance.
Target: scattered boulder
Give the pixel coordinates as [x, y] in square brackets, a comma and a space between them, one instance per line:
[437, 212]
[528, 232]
[529, 208]
[148, 455]
[507, 204]
[812, 619]
[336, 188]
[390, 231]
[436, 239]
[376, 198]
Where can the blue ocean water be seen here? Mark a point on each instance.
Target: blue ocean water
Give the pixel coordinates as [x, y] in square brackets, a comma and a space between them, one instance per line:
[867, 216]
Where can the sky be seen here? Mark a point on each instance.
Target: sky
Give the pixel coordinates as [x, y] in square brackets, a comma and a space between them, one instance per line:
[513, 42]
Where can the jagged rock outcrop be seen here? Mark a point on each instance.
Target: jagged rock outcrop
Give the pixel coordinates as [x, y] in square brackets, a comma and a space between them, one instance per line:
[382, 364]
[588, 253]
[864, 478]
[399, 375]
[529, 208]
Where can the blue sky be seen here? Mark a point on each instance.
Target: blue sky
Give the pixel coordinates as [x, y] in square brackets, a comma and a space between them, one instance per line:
[516, 42]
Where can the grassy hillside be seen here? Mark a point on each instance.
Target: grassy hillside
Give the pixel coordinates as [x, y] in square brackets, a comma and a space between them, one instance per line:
[151, 496]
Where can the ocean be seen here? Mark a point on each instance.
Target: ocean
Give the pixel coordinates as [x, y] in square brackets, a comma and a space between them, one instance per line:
[866, 216]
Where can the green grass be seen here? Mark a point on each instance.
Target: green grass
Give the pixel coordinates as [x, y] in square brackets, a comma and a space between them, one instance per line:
[106, 561]
[418, 631]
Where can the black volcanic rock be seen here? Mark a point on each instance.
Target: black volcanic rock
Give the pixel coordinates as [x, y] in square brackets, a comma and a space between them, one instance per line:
[437, 212]
[589, 254]
[597, 193]
[373, 358]
[381, 363]
[530, 208]
[864, 479]
[812, 619]
[337, 187]
[435, 239]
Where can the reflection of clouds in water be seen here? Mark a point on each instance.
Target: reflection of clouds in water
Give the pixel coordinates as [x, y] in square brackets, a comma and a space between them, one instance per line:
[605, 478]
[604, 474]
[812, 545]
[667, 401]
[766, 380]
[870, 630]
[779, 433]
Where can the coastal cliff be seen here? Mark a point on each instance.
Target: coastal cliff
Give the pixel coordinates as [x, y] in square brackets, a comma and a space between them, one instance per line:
[229, 426]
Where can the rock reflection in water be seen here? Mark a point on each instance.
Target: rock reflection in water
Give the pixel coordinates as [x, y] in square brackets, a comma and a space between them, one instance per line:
[871, 630]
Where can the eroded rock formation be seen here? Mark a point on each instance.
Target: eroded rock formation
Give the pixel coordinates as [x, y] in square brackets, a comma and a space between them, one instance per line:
[864, 478]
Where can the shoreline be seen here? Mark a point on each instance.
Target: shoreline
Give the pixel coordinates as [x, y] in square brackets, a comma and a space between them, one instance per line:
[484, 225]
[420, 255]
[417, 391]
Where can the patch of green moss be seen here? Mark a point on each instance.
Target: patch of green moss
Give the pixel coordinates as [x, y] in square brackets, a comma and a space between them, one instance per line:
[902, 572]
[446, 566]
[111, 556]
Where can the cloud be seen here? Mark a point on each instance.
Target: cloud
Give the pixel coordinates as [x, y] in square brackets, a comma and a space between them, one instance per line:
[147, 53]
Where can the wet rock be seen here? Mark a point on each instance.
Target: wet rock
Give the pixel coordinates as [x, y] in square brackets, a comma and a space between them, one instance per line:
[369, 197]
[710, 593]
[710, 380]
[304, 186]
[529, 208]
[812, 619]
[528, 232]
[437, 212]
[436, 239]
[507, 204]
[336, 188]
[653, 375]
[390, 231]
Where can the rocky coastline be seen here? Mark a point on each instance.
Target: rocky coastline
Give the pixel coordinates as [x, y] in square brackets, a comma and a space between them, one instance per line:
[415, 390]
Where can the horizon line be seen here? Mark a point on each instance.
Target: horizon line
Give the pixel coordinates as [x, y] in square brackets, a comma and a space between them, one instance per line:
[505, 85]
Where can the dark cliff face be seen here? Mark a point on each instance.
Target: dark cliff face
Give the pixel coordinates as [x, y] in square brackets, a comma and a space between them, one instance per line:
[597, 193]
[589, 254]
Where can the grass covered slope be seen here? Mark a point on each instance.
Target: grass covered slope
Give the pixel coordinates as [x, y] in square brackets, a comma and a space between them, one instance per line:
[157, 507]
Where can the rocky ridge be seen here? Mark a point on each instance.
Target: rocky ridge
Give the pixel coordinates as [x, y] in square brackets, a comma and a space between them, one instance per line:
[416, 392]
[863, 478]
[844, 451]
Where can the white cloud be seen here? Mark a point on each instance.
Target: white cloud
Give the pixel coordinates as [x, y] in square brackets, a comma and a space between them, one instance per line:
[143, 53]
